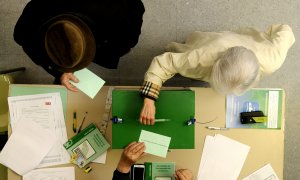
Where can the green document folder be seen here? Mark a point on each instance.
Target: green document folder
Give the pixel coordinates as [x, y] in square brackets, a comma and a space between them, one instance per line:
[21, 90]
[176, 105]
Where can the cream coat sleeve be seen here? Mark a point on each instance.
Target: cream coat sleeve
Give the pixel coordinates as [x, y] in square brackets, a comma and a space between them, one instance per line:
[187, 64]
[282, 38]
[163, 67]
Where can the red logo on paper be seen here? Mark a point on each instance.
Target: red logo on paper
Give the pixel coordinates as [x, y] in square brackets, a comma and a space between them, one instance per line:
[47, 103]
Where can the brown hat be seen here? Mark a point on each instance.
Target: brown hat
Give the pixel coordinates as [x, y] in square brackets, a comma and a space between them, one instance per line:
[69, 43]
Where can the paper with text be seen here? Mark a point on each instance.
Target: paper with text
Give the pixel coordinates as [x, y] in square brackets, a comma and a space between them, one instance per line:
[89, 83]
[222, 158]
[264, 173]
[156, 144]
[45, 110]
[28, 144]
[63, 173]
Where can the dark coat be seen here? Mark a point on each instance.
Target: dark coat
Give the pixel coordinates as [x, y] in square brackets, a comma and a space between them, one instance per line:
[116, 25]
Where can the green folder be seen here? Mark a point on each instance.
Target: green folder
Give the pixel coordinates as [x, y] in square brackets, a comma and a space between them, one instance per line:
[176, 105]
[21, 90]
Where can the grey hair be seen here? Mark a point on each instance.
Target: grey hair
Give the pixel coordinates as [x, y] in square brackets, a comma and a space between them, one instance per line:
[235, 72]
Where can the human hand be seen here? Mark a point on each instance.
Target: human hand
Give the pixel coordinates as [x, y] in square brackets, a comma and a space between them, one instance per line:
[64, 79]
[147, 115]
[133, 152]
[183, 174]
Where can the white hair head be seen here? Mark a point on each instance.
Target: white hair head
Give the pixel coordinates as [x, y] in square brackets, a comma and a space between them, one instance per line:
[235, 72]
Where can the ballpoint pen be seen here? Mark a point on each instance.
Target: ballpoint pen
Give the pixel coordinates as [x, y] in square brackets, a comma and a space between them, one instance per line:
[216, 128]
[159, 120]
[74, 122]
[82, 122]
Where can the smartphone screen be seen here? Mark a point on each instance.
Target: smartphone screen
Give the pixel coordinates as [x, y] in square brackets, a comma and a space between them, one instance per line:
[138, 171]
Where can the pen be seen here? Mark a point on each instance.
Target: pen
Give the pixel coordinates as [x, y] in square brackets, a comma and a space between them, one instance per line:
[160, 120]
[74, 122]
[82, 122]
[216, 128]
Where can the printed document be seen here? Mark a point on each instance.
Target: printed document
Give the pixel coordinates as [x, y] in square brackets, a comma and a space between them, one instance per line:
[64, 173]
[45, 110]
[264, 173]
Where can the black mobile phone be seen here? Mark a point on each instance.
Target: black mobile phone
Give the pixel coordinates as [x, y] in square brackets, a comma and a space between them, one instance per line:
[137, 172]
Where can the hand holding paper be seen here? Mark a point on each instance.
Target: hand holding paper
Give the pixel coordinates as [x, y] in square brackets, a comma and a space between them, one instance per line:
[89, 83]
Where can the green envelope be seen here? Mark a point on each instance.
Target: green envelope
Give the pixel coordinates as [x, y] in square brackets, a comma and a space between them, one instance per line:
[176, 105]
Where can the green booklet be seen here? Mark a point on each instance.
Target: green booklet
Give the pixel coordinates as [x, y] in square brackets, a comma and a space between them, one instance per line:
[269, 101]
[159, 170]
[86, 146]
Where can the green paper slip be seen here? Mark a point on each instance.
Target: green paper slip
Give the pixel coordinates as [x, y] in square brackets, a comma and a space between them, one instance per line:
[156, 144]
[89, 83]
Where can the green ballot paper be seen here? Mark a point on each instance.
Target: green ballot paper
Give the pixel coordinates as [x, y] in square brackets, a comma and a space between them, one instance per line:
[86, 146]
[159, 170]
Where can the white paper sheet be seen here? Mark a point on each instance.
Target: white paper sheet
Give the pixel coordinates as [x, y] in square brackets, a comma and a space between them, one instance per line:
[222, 158]
[264, 173]
[64, 173]
[26, 147]
[101, 159]
[46, 110]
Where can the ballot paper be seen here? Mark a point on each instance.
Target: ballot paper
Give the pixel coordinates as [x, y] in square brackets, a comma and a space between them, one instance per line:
[156, 144]
[264, 173]
[26, 147]
[89, 83]
[63, 173]
[45, 110]
[222, 158]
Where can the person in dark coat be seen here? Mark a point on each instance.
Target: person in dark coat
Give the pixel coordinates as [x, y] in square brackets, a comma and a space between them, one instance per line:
[64, 36]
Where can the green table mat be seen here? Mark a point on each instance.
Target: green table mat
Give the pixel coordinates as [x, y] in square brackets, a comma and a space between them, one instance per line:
[177, 105]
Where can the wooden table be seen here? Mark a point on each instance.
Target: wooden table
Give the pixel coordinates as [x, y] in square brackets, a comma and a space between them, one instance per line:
[267, 146]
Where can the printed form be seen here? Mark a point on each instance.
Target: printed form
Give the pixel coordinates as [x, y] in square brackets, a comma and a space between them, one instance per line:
[64, 173]
[45, 110]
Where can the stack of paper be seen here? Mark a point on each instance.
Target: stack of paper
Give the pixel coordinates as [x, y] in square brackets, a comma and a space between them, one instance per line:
[264, 173]
[29, 114]
[222, 158]
[63, 173]
[26, 147]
